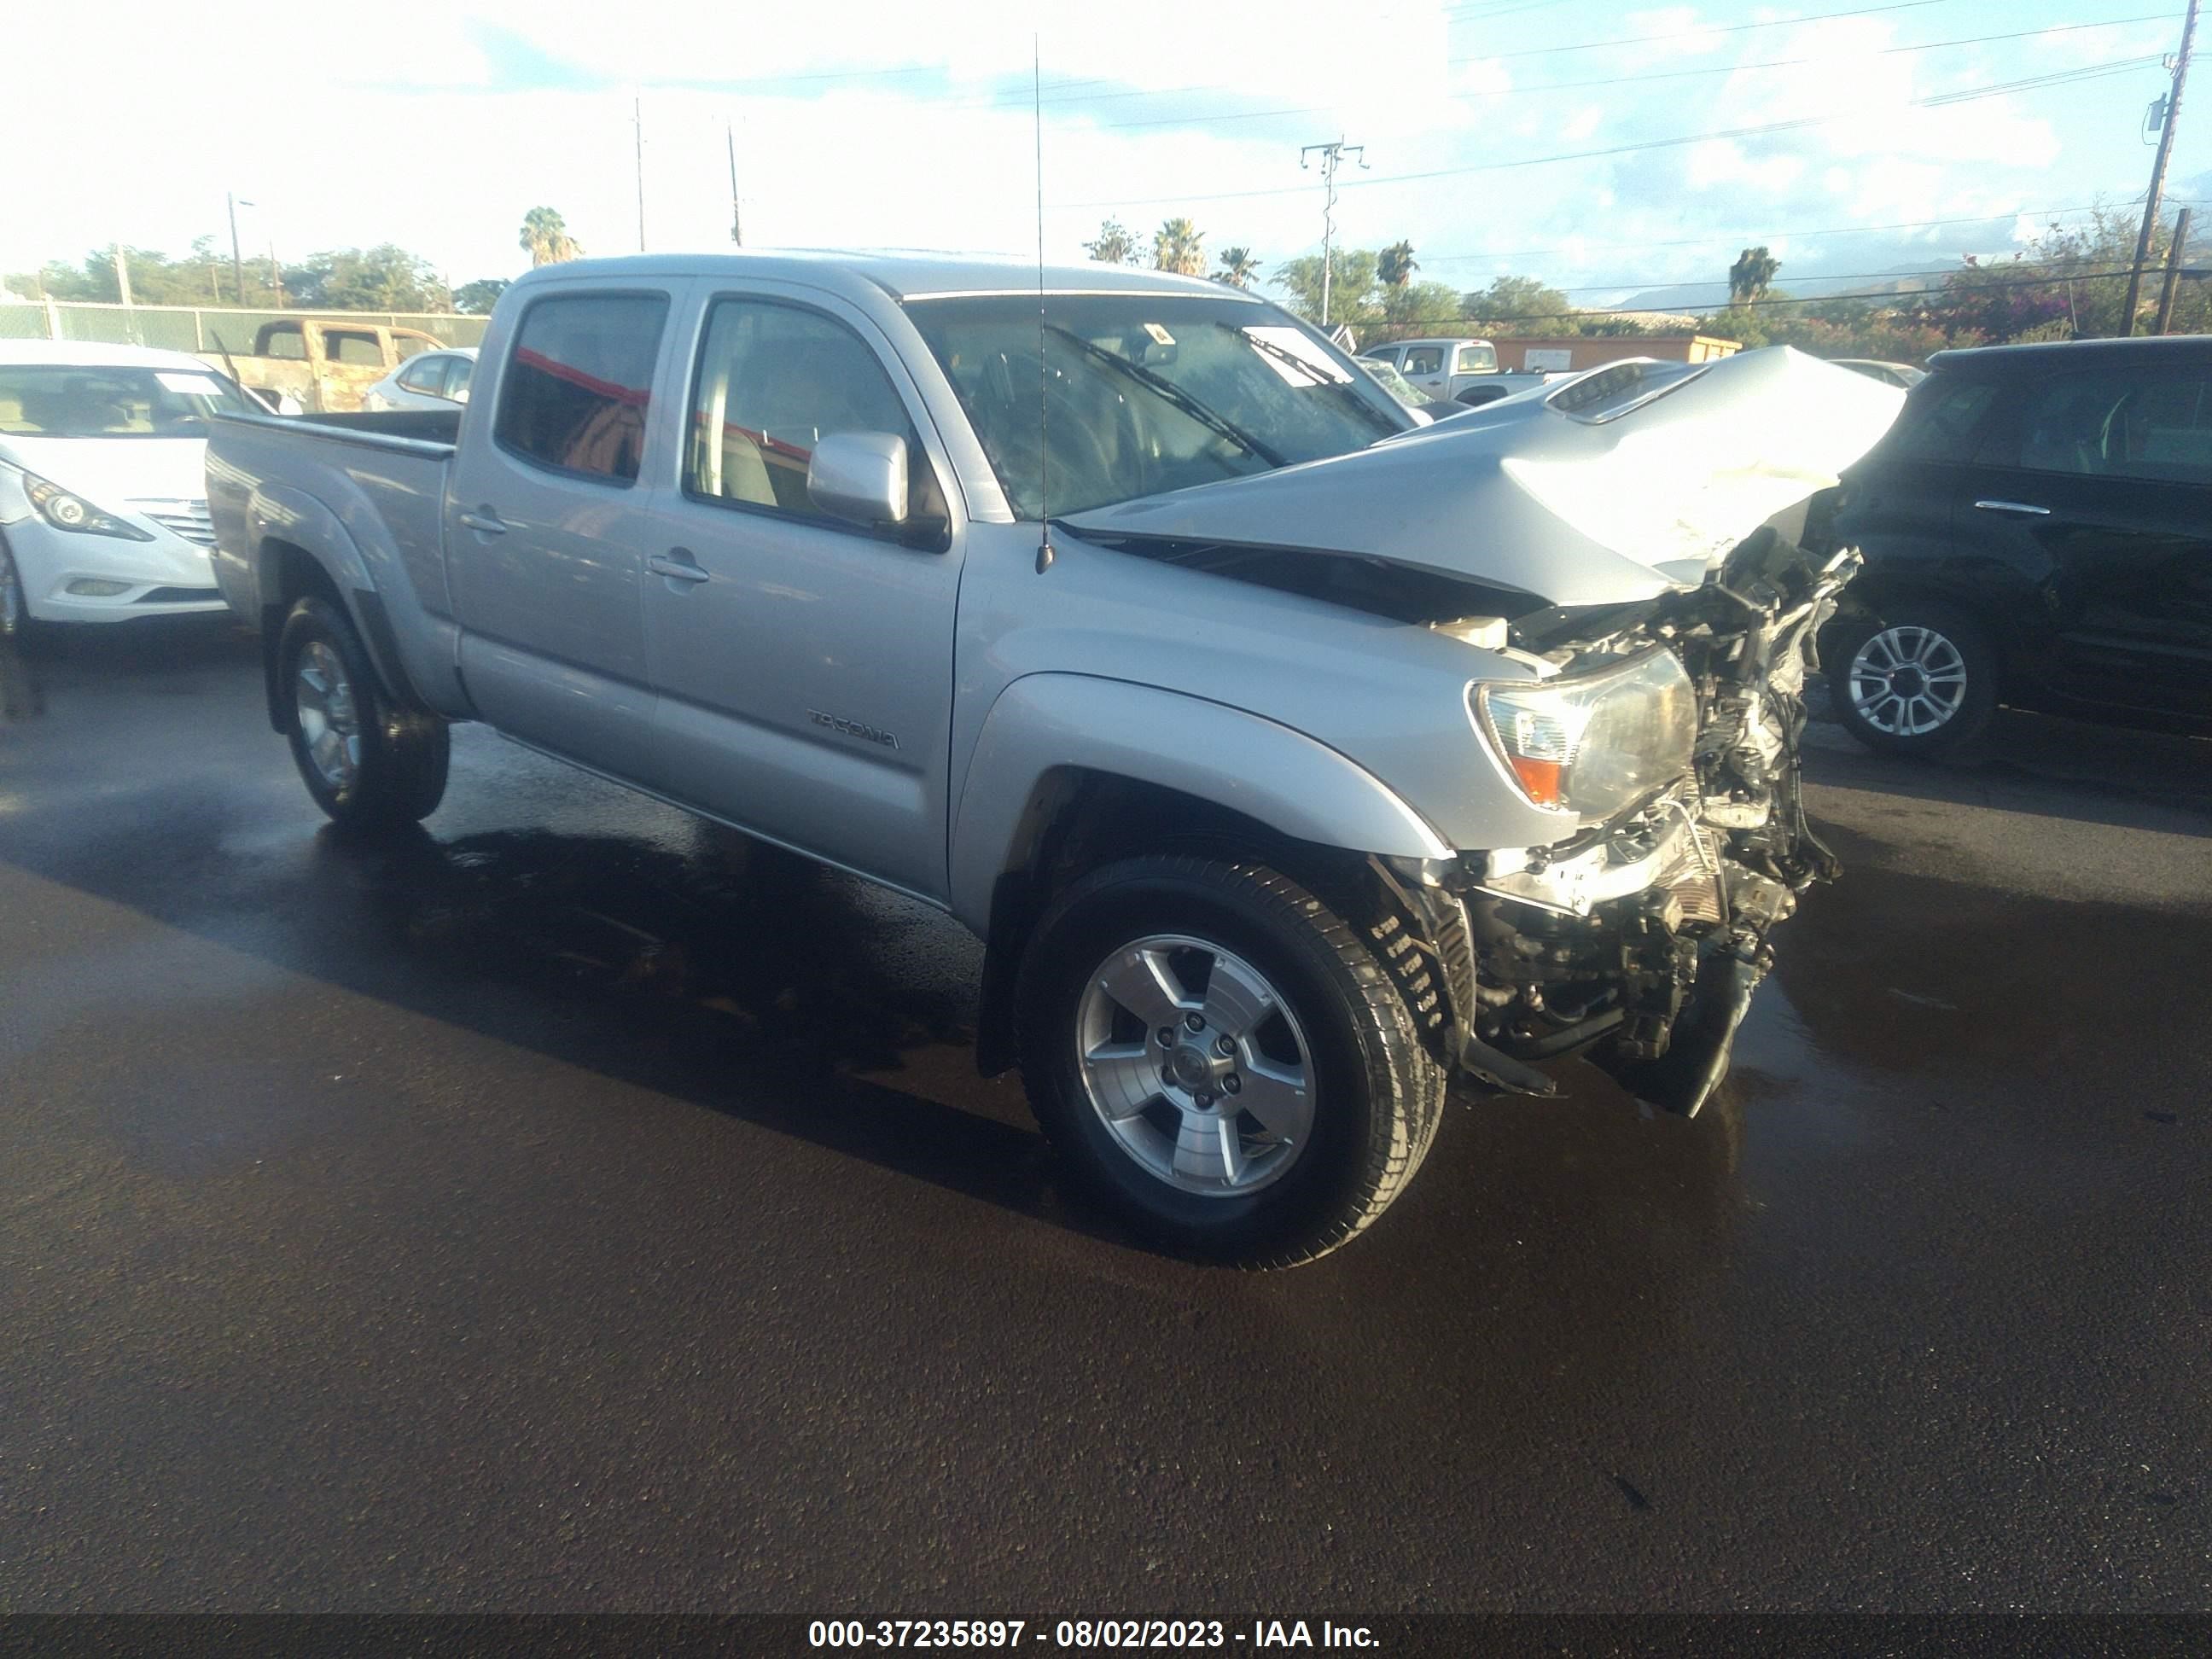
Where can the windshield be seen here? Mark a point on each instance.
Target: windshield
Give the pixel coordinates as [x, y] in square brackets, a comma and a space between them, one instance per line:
[86, 400]
[1145, 393]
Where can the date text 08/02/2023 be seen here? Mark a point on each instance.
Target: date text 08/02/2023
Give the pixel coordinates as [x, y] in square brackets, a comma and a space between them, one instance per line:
[1084, 1635]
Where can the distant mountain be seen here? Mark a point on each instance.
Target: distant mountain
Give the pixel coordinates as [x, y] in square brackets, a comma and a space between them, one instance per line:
[1712, 297]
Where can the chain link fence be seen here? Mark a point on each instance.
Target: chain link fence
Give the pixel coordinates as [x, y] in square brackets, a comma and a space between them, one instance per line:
[200, 328]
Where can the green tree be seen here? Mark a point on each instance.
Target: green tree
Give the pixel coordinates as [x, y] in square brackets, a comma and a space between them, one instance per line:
[546, 240]
[1521, 306]
[1395, 264]
[386, 277]
[478, 298]
[1115, 245]
[1353, 296]
[1179, 245]
[1752, 274]
[1237, 267]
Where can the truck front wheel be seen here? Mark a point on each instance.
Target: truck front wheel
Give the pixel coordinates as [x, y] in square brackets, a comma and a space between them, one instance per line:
[1222, 1061]
[366, 761]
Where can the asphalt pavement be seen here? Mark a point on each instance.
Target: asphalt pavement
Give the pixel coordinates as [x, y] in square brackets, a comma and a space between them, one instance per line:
[575, 1206]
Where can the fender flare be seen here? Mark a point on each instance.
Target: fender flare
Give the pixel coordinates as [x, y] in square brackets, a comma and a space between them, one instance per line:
[1051, 722]
[277, 515]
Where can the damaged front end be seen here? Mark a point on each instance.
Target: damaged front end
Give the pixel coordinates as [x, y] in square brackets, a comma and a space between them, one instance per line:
[1639, 939]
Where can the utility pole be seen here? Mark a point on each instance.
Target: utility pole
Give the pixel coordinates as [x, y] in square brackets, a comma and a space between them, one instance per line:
[637, 115]
[1332, 155]
[2158, 174]
[275, 276]
[737, 217]
[2172, 271]
[122, 272]
[237, 264]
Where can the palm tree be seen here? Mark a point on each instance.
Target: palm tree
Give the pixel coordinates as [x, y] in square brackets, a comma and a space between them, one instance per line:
[1751, 275]
[1238, 267]
[1179, 245]
[546, 237]
[1115, 245]
[1396, 265]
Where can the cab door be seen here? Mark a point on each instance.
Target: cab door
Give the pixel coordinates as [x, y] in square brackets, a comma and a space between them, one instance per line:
[549, 515]
[1429, 367]
[2103, 480]
[804, 663]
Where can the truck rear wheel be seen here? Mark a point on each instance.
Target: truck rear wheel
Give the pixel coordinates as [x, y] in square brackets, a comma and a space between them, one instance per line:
[1222, 1060]
[366, 761]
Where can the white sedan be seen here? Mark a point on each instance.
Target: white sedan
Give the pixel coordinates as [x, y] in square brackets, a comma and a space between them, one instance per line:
[428, 380]
[103, 501]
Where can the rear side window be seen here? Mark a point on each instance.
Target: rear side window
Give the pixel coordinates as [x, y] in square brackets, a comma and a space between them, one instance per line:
[774, 380]
[1947, 414]
[2113, 425]
[459, 369]
[355, 347]
[578, 383]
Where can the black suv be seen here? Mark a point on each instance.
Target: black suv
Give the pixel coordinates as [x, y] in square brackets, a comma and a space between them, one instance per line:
[2038, 531]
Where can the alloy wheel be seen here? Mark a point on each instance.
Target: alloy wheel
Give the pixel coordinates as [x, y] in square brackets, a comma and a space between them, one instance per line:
[329, 724]
[1908, 681]
[1196, 1065]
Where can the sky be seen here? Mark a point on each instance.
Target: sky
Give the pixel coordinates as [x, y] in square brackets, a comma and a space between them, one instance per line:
[1602, 150]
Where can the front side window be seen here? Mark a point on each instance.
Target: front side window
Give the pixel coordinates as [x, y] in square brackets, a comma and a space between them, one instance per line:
[773, 382]
[1424, 360]
[57, 400]
[2116, 425]
[579, 382]
[1136, 393]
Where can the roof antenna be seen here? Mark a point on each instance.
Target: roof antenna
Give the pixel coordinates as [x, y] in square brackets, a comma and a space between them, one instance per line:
[1037, 117]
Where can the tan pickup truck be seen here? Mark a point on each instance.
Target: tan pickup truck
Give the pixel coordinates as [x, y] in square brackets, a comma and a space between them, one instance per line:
[324, 363]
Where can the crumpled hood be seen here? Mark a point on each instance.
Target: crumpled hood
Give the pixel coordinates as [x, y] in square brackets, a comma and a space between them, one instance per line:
[1624, 483]
[113, 472]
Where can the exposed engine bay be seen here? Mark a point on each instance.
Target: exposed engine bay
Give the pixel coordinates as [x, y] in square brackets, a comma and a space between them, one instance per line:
[1639, 942]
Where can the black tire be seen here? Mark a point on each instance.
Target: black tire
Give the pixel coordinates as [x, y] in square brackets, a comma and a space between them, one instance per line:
[1883, 723]
[398, 774]
[15, 624]
[1378, 1093]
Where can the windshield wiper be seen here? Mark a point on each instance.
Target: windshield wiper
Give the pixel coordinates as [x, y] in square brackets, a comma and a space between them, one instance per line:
[1169, 392]
[1313, 371]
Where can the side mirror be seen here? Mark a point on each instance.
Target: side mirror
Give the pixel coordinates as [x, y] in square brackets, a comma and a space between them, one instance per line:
[859, 476]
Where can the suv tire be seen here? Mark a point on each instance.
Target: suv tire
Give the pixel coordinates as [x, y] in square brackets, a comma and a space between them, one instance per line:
[15, 624]
[1919, 679]
[367, 762]
[1222, 1060]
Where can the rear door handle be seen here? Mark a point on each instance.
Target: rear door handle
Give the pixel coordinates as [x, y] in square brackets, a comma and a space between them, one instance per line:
[677, 565]
[484, 522]
[2028, 507]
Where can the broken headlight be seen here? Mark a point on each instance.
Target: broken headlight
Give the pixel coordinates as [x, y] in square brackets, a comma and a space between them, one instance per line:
[1593, 744]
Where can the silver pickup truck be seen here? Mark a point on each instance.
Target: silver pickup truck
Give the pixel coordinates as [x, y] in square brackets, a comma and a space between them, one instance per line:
[1291, 757]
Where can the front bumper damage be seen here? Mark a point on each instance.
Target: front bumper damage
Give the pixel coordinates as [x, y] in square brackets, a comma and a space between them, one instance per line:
[1639, 943]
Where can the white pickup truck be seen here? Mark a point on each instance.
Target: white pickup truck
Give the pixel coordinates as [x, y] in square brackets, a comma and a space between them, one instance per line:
[1291, 757]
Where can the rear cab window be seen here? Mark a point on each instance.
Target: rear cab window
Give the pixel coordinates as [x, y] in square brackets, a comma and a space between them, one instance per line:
[578, 384]
[1477, 360]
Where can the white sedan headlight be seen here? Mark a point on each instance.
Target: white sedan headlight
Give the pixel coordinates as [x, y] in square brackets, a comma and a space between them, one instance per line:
[1593, 744]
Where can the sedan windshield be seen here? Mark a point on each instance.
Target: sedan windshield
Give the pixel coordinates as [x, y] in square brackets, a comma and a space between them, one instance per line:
[1143, 392]
[99, 400]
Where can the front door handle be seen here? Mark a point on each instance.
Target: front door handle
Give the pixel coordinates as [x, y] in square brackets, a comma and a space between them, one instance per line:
[2028, 507]
[484, 522]
[675, 564]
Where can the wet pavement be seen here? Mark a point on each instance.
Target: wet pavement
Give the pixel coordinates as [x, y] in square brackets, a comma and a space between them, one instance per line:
[576, 1206]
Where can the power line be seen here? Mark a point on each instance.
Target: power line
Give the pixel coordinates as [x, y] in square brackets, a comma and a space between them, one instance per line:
[1697, 33]
[1662, 75]
[2091, 72]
